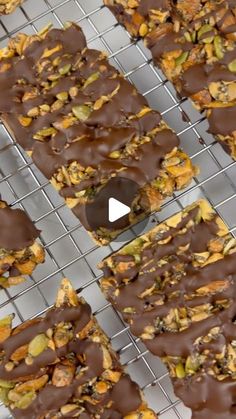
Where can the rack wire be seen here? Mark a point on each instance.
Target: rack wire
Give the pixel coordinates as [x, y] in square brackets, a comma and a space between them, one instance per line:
[70, 251]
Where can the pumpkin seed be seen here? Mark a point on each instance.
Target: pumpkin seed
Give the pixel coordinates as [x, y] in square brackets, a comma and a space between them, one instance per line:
[25, 121]
[91, 79]
[182, 58]
[232, 66]
[63, 96]
[81, 112]
[194, 36]
[179, 369]
[188, 37]
[204, 29]
[47, 132]
[38, 345]
[191, 365]
[6, 384]
[130, 310]
[218, 47]
[25, 400]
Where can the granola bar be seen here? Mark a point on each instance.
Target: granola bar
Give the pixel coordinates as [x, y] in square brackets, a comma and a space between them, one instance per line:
[194, 44]
[175, 286]
[20, 253]
[88, 129]
[8, 6]
[63, 366]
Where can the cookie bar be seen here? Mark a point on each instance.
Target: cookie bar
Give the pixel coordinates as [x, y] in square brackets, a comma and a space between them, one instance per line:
[20, 253]
[194, 44]
[88, 129]
[8, 6]
[175, 286]
[63, 366]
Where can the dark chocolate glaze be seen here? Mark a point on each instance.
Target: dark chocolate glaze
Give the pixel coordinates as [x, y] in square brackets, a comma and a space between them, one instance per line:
[17, 231]
[198, 391]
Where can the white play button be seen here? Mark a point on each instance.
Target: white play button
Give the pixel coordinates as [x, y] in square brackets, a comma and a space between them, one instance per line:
[117, 210]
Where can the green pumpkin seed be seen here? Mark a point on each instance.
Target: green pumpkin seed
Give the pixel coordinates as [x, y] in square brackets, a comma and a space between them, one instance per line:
[188, 37]
[137, 258]
[179, 369]
[3, 280]
[218, 47]
[47, 132]
[114, 154]
[132, 248]
[38, 345]
[182, 58]
[25, 400]
[91, 79]
[65, 69]
[81, 112]
[204, 29]
[13, 396]
[191, 365]
[54, 77]
[63, 96]
[129, 310]
[6, 384]
[232, 66]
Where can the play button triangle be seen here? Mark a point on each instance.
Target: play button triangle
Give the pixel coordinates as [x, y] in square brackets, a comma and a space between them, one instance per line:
[117, 210]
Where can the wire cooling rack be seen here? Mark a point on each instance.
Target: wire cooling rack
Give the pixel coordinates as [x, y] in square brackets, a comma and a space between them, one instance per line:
[70, 251]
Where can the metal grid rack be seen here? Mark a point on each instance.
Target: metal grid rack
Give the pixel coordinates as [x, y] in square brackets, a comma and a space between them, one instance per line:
[70, 251]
